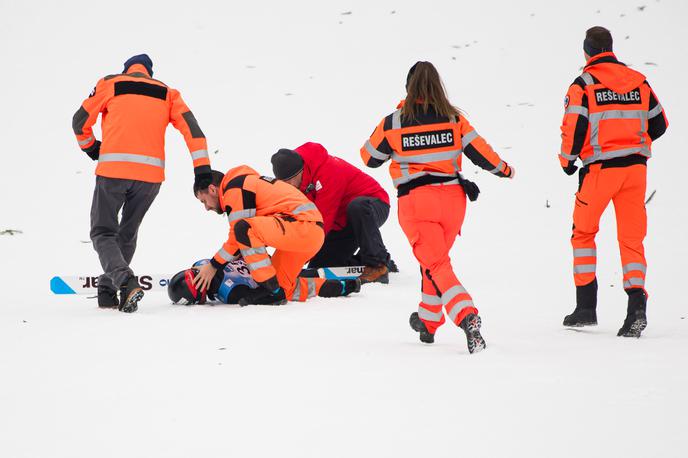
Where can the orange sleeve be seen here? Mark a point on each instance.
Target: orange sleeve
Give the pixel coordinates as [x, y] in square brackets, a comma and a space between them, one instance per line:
[574, 126]
[87, 115]
[376, 150]
[480, 152]
[233, 202]
[185, 122]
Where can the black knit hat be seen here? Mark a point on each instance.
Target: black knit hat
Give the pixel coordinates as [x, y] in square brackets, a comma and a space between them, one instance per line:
[286, 164]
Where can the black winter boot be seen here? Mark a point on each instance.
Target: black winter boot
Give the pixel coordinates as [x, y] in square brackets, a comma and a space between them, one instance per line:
[585, 313]
[636, 319]
[338, 288]
[418, 326]
[471, 326]
[129, 295]
[107, 298]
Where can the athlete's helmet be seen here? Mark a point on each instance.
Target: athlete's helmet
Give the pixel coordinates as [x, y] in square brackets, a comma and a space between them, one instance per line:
[182, 290]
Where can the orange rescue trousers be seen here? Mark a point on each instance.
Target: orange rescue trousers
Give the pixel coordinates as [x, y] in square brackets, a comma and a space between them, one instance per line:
[431, 217]
[625, 187]
[295, 242]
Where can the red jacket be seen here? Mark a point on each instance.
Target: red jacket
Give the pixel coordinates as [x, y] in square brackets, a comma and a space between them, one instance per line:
[332, 183]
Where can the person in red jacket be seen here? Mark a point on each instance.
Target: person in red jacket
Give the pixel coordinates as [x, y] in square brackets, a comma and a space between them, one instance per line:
[353, 205]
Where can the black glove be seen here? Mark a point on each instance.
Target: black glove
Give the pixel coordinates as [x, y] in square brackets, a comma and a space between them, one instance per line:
[471, 189]
[93, 151]
[570, 169]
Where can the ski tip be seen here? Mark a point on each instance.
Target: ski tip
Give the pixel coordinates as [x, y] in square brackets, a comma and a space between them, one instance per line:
[58, 286]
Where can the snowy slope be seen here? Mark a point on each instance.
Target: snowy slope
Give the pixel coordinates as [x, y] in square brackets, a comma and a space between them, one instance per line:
[335, 378]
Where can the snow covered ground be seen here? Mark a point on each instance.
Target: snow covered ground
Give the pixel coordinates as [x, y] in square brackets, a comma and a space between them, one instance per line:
[335, 378]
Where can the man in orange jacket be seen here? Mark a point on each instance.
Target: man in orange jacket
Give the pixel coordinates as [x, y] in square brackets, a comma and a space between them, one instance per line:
[266, 212]
[136, 110]
[612, 117]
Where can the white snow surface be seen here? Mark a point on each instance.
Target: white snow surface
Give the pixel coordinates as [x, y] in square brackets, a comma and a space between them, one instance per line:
[335, 378]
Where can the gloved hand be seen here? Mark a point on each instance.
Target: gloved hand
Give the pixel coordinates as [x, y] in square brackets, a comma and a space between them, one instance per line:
[93, 151]
[570, 169]
[513, 172]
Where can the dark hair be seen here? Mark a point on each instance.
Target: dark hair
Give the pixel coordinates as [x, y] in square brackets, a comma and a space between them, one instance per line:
[424, 89]
[597, 40]
[202, 185]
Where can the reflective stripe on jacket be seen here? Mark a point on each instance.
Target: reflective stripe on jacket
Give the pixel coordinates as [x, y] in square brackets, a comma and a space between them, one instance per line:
[136, 110]
[428, 150]
[245, 194]
[610, 112]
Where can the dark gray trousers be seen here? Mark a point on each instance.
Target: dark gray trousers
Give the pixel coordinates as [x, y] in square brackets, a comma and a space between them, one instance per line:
[364, 217]
[114, 239]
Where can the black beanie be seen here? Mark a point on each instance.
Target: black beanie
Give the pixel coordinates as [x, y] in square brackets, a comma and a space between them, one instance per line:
[286, 164]
[142, 59]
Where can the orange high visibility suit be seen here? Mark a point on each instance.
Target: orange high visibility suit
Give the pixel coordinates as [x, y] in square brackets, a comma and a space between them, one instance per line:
[136, 110]
[425, 159]
[611, 118]
[265, 212]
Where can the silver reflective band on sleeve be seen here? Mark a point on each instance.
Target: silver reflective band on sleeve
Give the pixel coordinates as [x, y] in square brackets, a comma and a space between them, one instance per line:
[584, 268]
[569, 157]
[251, 251]
[635, 281]
[311, 286]
[426, 158]
[431, 300]
[87, 141]
[375, 153]
[451, 293]
[259, 264]
[498, 168]
[240, 214]
[584, 252]
[297, 291]
[428, 315]
[630, 267]
[224, 254]
[587, 78]
[137, 158]
[454, 312]
[577, 109]
[304, 208]
[468, 138]
[199, 154]
[656, 111]
[396, 120]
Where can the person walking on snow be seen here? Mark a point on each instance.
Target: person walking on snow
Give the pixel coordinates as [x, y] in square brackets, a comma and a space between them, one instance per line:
[136, 110]
[353, 205]
[265, 212]
[611, 118]
[425, 139]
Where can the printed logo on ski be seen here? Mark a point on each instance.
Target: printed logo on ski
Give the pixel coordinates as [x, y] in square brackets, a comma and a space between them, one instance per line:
[144, 280]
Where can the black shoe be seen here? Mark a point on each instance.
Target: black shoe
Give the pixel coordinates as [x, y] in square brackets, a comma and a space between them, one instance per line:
[392, 266]
[107, 298]
[418, 326]
[339, 288]
[262, 296]
[471, 326]
[635, 323]
[130, 294]
[580, 318]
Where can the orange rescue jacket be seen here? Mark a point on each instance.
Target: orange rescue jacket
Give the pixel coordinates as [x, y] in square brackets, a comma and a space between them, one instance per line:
[610, 112]
[245, 194]
[136, 110]
[428, 150]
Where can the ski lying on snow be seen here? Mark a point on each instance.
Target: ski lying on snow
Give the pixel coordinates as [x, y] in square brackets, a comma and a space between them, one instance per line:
[88, 284]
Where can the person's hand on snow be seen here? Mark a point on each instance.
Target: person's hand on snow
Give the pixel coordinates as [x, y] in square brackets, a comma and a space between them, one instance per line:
[204, 277]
